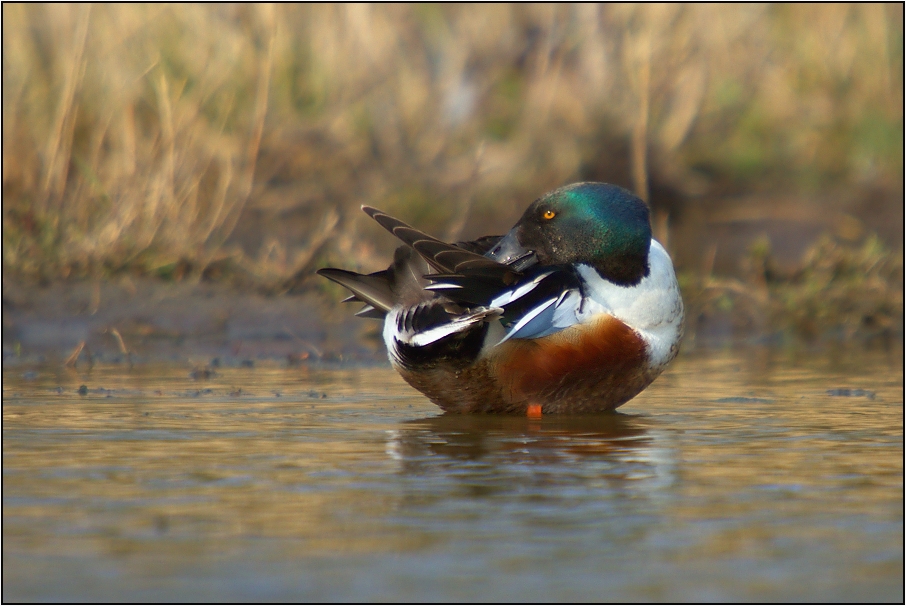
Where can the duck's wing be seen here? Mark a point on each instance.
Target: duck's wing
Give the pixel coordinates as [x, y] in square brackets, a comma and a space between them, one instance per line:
[462, 272]
[445, 258]
[481, 245]
[542, 303]
[530, 300]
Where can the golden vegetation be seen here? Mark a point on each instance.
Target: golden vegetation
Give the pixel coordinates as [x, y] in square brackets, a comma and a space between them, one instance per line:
[854, 287]
[197, 139]
[843, 289]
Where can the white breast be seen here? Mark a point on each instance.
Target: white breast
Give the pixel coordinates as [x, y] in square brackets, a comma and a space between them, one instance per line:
[653, 307]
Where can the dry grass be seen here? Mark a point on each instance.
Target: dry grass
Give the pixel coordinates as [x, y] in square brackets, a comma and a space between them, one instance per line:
[191, 139]
[854, 288]
[126, 134]
[844, 289]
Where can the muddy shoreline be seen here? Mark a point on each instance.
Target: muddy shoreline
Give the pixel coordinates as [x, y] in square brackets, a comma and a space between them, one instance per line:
[138, 320]
[202, 324]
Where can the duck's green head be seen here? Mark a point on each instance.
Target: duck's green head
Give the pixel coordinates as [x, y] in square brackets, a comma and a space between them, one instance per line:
[599, 224]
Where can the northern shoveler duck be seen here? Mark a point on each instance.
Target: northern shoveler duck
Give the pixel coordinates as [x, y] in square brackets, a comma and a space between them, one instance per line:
[575, 310]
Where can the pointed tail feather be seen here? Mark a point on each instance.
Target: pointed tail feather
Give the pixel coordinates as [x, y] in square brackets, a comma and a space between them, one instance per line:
[373, 289]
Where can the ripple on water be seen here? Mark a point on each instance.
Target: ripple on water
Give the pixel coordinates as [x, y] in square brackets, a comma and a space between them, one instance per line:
[740, 476]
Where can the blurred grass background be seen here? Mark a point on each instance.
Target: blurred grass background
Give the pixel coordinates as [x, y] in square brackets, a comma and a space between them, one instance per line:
[237, 142]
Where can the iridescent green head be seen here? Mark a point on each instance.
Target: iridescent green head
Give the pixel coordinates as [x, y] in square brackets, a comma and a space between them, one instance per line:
[598, 224]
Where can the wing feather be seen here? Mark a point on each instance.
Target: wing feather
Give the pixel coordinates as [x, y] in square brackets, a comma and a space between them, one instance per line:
[443, 257]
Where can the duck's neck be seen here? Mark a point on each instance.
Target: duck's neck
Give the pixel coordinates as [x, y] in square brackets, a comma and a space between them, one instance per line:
[626, 270]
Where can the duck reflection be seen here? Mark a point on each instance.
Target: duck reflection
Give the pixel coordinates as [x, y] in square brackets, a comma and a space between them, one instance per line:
[474, 437]
[488, 455]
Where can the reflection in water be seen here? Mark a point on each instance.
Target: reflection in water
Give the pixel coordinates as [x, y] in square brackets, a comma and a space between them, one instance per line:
[555, 450]
[586, 464]
[518, 439]
[731, 478]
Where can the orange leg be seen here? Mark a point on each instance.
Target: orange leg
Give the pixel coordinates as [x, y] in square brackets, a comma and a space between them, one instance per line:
[533, 411]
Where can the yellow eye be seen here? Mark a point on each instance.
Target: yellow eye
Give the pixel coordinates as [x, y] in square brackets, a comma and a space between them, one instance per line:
[549, 214]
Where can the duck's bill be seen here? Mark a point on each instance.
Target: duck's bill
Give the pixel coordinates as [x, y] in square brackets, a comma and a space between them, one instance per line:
[510, 252]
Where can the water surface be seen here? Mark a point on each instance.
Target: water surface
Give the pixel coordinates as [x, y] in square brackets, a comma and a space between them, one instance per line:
[747, 475]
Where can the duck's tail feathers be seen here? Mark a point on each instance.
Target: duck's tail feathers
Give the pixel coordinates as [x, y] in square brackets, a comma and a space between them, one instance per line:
[372, 289]
[418, 336]
[432, 321]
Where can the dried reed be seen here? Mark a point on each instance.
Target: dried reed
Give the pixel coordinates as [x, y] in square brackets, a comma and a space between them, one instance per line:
[141, 136]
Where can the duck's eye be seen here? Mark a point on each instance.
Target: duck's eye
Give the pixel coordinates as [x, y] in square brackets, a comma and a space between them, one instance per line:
[548, 215]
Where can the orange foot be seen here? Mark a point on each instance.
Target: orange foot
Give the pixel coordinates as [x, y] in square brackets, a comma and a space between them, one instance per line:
[533, 411]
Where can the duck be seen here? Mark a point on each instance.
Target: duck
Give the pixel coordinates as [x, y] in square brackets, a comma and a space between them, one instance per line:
[575, 310]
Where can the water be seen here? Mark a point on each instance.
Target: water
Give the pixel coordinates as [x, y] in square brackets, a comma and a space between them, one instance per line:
[737, 476]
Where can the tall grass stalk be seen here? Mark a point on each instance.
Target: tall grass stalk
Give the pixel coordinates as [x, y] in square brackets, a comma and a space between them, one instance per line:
[139, 136]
